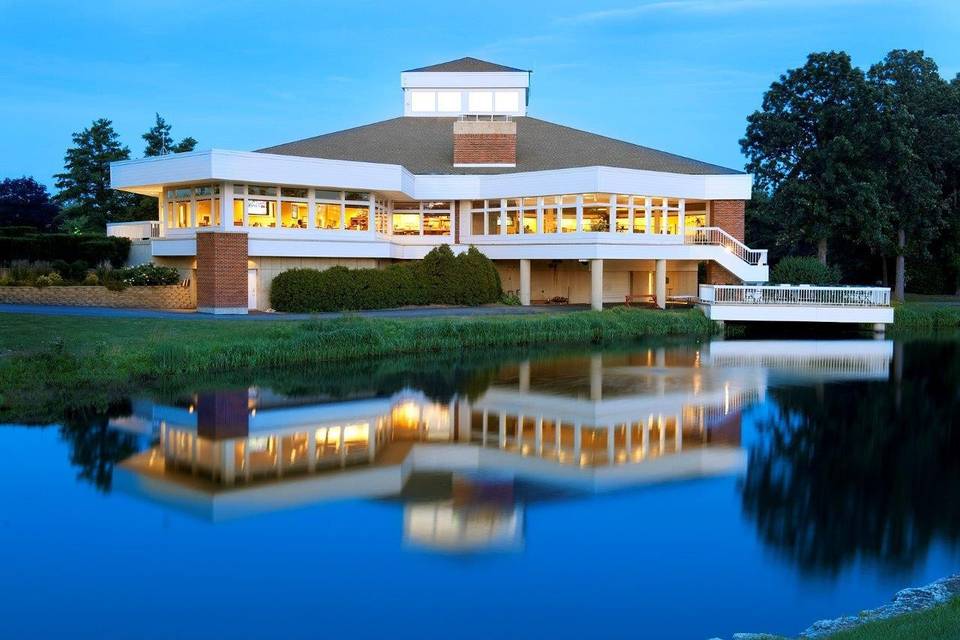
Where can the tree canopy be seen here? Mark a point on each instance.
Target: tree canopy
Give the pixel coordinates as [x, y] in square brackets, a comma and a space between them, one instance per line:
[160, 142]
[25, 202]
[86, 197]
[867, 162]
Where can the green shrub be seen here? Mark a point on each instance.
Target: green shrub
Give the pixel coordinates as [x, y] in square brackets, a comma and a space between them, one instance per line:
[52, 278]
[440, 278]
[145, 275]
[16, 243]
[90, 279]
[510, 298]
[803, 270]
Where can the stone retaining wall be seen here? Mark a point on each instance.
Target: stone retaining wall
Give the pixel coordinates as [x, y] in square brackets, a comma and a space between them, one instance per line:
[160, 297]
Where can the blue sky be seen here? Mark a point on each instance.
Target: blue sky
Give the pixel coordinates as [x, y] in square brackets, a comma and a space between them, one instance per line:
[679, 75]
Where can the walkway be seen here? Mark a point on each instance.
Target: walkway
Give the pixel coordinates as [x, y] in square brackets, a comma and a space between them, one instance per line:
[420, 312]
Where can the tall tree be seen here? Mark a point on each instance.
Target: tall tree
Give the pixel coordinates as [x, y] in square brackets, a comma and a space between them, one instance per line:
[24, 201]
[805, 147]
[160, 142]
[918, 137]
[86, 197]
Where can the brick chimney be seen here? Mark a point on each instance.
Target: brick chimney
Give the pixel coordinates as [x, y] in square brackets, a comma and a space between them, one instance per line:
[484, 143]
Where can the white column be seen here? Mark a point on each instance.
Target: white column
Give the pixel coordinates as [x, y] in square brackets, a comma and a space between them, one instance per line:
[523, 374]
[661, 278]
[538, 436]
[596, 377]
[502, 441]
[682, 218]
[525, 283]
[665, 216]
[648, 215]
[596, 284]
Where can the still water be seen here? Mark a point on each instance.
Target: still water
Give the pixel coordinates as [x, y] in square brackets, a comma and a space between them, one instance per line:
[668, 491]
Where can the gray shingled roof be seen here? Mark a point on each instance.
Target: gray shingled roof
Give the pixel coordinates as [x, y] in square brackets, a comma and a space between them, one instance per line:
[461, 65]
[425, 146]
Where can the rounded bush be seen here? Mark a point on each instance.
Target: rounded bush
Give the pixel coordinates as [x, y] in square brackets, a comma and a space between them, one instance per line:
[440, 278]
[803, 270]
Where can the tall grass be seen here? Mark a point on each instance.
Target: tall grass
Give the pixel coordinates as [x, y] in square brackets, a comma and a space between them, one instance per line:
[49, 362]
[926, 316]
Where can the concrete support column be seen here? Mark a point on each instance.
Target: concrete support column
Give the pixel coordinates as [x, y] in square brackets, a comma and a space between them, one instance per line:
[525, 283]
[524, 376]
[596, 377]
[661, 283]
[596, 285]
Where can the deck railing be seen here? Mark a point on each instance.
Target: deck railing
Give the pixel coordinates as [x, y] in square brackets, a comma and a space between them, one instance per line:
[717, 236]
[138, 230]
[795, 295]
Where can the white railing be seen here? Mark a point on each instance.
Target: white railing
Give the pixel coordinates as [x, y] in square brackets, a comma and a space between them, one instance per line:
[717, 236]
[139, 230]
[795, 295]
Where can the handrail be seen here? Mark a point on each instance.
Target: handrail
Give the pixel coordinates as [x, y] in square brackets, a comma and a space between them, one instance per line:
[795, 295]
[718, 236]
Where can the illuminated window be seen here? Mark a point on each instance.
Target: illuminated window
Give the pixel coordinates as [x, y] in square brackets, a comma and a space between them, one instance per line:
[506, 101]
[262, 213]
[329, 216]
[406, 218]
[623, 219]
[549, 219]
[480, 101]
[182, 214]
[357, 217]
[205, 213]
[448, 101]
[423, 101]
[238, 212]
[436, 218]
[294, 215]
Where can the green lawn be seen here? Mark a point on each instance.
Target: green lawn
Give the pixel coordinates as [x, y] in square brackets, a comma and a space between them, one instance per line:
[939, 623]
[49, 362]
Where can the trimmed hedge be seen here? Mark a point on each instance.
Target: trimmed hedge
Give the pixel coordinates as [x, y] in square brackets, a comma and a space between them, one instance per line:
[17, 243]
[803, 270]
[440, 278]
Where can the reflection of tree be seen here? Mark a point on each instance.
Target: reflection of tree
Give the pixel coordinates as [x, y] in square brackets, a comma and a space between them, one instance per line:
[94, 447]
[862, 469]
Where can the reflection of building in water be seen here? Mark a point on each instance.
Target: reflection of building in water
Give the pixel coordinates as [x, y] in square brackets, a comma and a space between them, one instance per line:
[574, 425]
[819, 360]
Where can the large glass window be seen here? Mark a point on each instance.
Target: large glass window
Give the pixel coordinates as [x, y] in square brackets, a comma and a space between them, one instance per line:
[506, 101]
[406, 218]
[357, 217]
[448, 101]
[568, 213]
[493, 217]
[238, 212]
[549, 215]
[436, 218]
[205, 214]
[477, 218]
[480, 102]
[696, 214]
[529, 219]
[623, 219]
[294, 215]
[262, 213]
[423, 101]
[329, 216]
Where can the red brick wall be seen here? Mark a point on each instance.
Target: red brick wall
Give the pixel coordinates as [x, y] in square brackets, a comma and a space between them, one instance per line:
[221, 270]
[484, 148]
[729, 216]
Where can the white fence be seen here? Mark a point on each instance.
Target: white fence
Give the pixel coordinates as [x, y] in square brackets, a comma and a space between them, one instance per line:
[795, 295]
[717, 236]
[139, 230]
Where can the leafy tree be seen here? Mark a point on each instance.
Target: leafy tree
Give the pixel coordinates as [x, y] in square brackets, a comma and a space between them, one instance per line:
[86, 197]
[160, 143]
[806, 147]
[25, 202]
[919, 133]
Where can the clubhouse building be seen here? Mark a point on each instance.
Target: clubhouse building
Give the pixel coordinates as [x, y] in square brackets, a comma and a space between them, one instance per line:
[564, 214]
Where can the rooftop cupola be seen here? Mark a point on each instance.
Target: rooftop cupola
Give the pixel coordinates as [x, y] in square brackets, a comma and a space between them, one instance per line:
[465, 86]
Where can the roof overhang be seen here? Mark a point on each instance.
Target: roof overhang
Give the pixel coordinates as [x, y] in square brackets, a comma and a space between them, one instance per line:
[147, 176]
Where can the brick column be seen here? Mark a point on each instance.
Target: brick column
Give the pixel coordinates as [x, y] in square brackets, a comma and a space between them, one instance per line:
[223, 414]
[729, 216]
[221, 272]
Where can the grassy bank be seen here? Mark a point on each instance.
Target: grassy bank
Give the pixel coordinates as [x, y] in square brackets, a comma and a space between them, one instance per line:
[927, 313]
[51, 362]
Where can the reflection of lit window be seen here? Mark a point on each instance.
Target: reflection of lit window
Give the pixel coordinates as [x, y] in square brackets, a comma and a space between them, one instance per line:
[258, 445]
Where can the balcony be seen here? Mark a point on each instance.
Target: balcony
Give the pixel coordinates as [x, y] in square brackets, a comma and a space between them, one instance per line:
[797, 303]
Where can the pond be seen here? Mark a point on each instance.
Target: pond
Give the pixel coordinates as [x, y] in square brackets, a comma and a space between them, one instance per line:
[669, 490]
